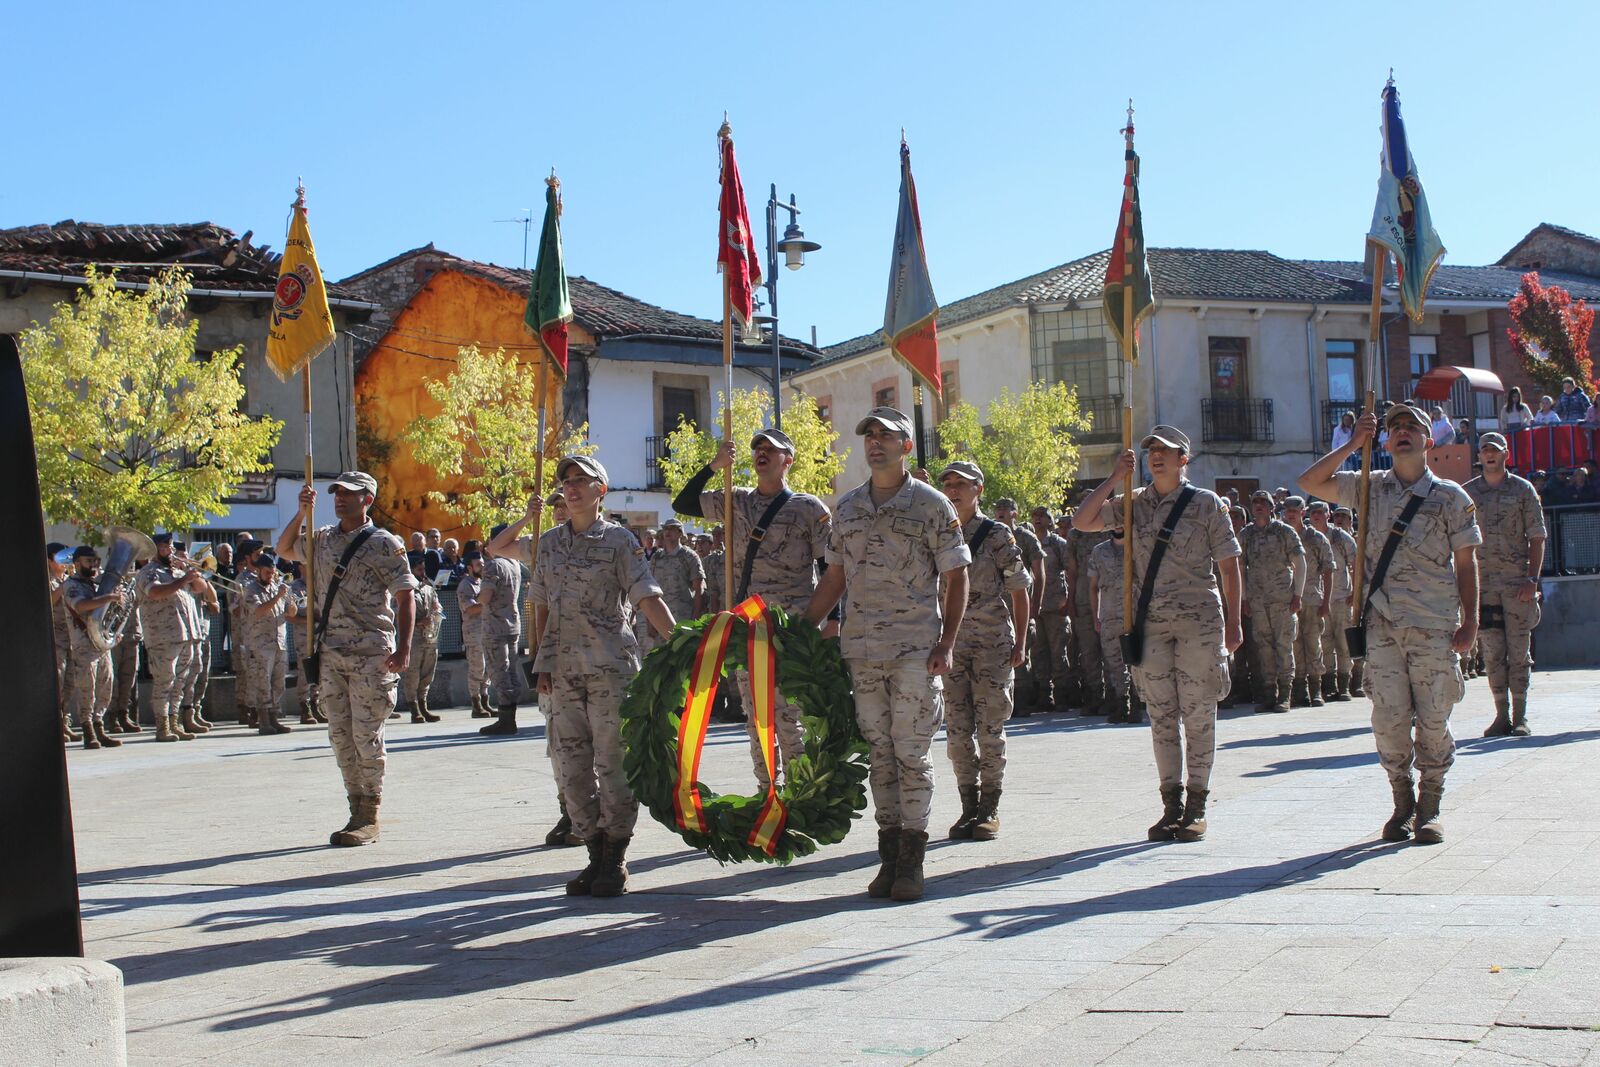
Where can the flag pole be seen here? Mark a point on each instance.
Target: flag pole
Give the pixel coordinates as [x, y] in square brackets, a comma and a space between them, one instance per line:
[917, 425]
[306, 563]
[1130, 360]
[728, 590]
[1370, 367]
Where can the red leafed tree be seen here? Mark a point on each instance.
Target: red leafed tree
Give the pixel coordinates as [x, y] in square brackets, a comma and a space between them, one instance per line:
[1551, 334]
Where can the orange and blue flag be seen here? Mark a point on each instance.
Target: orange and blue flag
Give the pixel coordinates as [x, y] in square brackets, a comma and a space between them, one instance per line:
[910, 320]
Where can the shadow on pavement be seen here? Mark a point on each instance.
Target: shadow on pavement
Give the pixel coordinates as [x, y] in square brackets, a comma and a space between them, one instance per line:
[1295, 739]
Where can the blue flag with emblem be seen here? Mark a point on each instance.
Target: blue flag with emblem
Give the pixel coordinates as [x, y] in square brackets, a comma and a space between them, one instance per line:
[1401, 224]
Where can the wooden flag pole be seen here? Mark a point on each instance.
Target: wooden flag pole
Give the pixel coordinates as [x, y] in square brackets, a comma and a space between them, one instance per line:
[728, 589]
[1364, 497]
[311, 522]
[1130, 358]
[542, 384]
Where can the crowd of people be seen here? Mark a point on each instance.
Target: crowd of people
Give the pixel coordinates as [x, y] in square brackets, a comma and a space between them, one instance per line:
[946, 616]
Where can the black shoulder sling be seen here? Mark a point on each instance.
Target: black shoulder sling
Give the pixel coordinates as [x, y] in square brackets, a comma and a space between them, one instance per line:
[757, 535]
[1356, 636]
[1133, 641]
[982, 535]
[311, 665]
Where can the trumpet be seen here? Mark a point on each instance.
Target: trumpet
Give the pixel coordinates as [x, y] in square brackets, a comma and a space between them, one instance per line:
[205, 564]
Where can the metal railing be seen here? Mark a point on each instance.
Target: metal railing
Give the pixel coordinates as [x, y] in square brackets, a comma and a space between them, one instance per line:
[1247, 420]
[1105, 413]
[655, 450]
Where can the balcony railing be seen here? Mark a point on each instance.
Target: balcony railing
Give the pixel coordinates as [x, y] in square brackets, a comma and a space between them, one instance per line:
[1332, 412]
[655, 449]
[1236, 420]
[1105, 413]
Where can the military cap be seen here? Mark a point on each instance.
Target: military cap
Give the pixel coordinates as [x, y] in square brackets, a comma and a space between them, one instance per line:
[471, 554]
[1400, 413]
[356, 481]
[1342, 510]
[1170, 436]
[1293, 502]
[1237, 512]
[160, 538]
[673, 522]
[778, 438]
[965, 468]
[889, 418]
[85, 552]
[285, 565]
[265, 558]
[553, 499]
[245, 547]
[1493, 440]
[587, 464]
[416, 559]
[1006, 502]
[1261, 494]
[1317, 506]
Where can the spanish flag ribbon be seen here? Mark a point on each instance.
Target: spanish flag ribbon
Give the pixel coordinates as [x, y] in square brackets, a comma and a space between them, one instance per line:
[703, 681]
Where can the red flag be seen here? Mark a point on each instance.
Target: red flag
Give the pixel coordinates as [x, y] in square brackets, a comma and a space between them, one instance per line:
[736, 252]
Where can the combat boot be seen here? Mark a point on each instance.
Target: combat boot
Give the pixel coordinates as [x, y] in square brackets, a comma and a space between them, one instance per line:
[105, 739]
[1314, 691]
[175, 721]
[363, 825]
[1519, 715]
[416, 711]
[478, 710]
[91, 741]
[270, 723]
[189, 723]
[114, 717]
[612, 881]
[1120, 711]
[1280, 699]
[68, 734]
[503, 726]
[200, 720]
[1068, 695]
[1358, 672]
[130, 719]
[1298, 697]
[1192, 826]
[1341, 687]
[908, 865]
[1136, 708]
[1501, 727]
[316, 712]
[1171, 814]
[1327, 686]
[888, 861]
[164, 727]
[1398, 828]
[247, 716]
[961, 830]
[986, 824]
[581, 885]
[1429, 830]
[561, 835]
[306, 718]
[425, 711]
[1265, 697]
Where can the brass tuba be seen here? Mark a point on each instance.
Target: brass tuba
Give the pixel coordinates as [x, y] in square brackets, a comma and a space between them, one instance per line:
[124, 546]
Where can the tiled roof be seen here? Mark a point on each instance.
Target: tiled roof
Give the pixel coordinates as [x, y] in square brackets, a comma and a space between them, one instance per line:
[1452, 282]
[212, 254]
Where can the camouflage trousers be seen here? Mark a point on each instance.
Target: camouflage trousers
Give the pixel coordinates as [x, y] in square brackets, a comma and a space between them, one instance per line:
[585, 727]
[977, 700]
[790, 736]
[547, 708]
[271, 666]
[170, 668]
[1184, 674]
[419, 675]
[1111, 653]
[899, 707]
[1273, 627]
[500, 655]
[1335, 645]
[477, 667]
[1414, 680]
[358, 693]
[246, 674]
[1051, 640]
[91, 690]
[64, 703]
[1507, 646]
[125, 664]
[1086, 661]
[194, 690]
[1309, 631]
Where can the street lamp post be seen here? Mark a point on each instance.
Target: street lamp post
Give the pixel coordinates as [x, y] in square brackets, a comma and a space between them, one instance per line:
[794, 247]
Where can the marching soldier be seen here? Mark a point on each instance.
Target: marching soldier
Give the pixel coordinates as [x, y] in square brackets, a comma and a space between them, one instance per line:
[500, 604]
[59, 573]
[169, 616]
[1051, 611]
[91, 689]
[1313, 619]
[1275, 576]
[1190, 629]
[1421, 610]
[1344, 521]
[1335, 645]
[589, 569]
[366, 636]
[1512, 556]
[1034, 680]
[893, 538]
[783, 557]
[1105, 595]
[262, 626]
[993, 636]
[468, 591]
[425, 642]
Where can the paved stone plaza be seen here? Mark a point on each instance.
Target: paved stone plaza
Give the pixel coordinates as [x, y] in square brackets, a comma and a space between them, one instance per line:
[1291, 936]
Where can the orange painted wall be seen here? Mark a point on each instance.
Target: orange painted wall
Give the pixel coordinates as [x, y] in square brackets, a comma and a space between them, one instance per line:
[452, 310]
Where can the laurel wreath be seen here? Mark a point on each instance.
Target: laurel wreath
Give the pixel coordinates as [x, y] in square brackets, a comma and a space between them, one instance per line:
[824, 789]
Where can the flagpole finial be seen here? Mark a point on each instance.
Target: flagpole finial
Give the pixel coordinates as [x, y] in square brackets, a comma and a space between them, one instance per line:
[553, 181]
[726, 131]
[1127, 131]
[299, 193]
[1390, 83]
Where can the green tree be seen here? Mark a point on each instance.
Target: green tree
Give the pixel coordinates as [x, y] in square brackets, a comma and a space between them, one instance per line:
[816, 465]
[1550, 332]
[131, 425]
[485, 434]
[1025, 443]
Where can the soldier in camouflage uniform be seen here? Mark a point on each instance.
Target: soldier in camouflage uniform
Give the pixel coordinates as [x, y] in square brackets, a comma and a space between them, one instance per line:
[1105, 594]
[589, 569]
[1422, 619]
[1335, 646]
[1512, 522]
[425, 640]
[1275, 576]
[1052, 612]
[783, 571]
[123, 715]
[467, 593]
[247, 675]
[310, 705]
[366, 642]
[262, 626]
[1191, 629]
[169, 616]
[60, 628]
[1312, 623]
[1033, 682]
[1088, 665]
[893, 537]
[990, 646]
[92, 688]
[681, 575]
[500, 604]
[1344, 521]
[1242, 667]
[194, 691]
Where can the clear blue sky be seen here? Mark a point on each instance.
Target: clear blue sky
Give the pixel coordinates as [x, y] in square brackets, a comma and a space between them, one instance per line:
[1258, 127]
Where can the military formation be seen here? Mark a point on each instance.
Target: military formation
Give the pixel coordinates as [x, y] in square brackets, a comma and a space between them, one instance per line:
[947, 617]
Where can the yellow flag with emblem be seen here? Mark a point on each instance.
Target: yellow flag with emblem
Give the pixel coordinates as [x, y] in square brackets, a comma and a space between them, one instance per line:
[302, 325]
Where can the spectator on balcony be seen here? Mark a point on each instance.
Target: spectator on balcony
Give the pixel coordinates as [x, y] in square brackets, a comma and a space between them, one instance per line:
[1343, 431]
[1515, 415]
[1464, 435]
[1442, 430]
[450, 557]
[1591, 418]
[1573, 404]
[1546, 415]
[1581, 489]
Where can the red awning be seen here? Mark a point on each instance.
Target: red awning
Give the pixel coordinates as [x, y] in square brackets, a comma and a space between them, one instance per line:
[1436, 384]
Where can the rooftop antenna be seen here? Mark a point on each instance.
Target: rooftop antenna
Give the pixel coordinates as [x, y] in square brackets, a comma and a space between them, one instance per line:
[527, 225]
